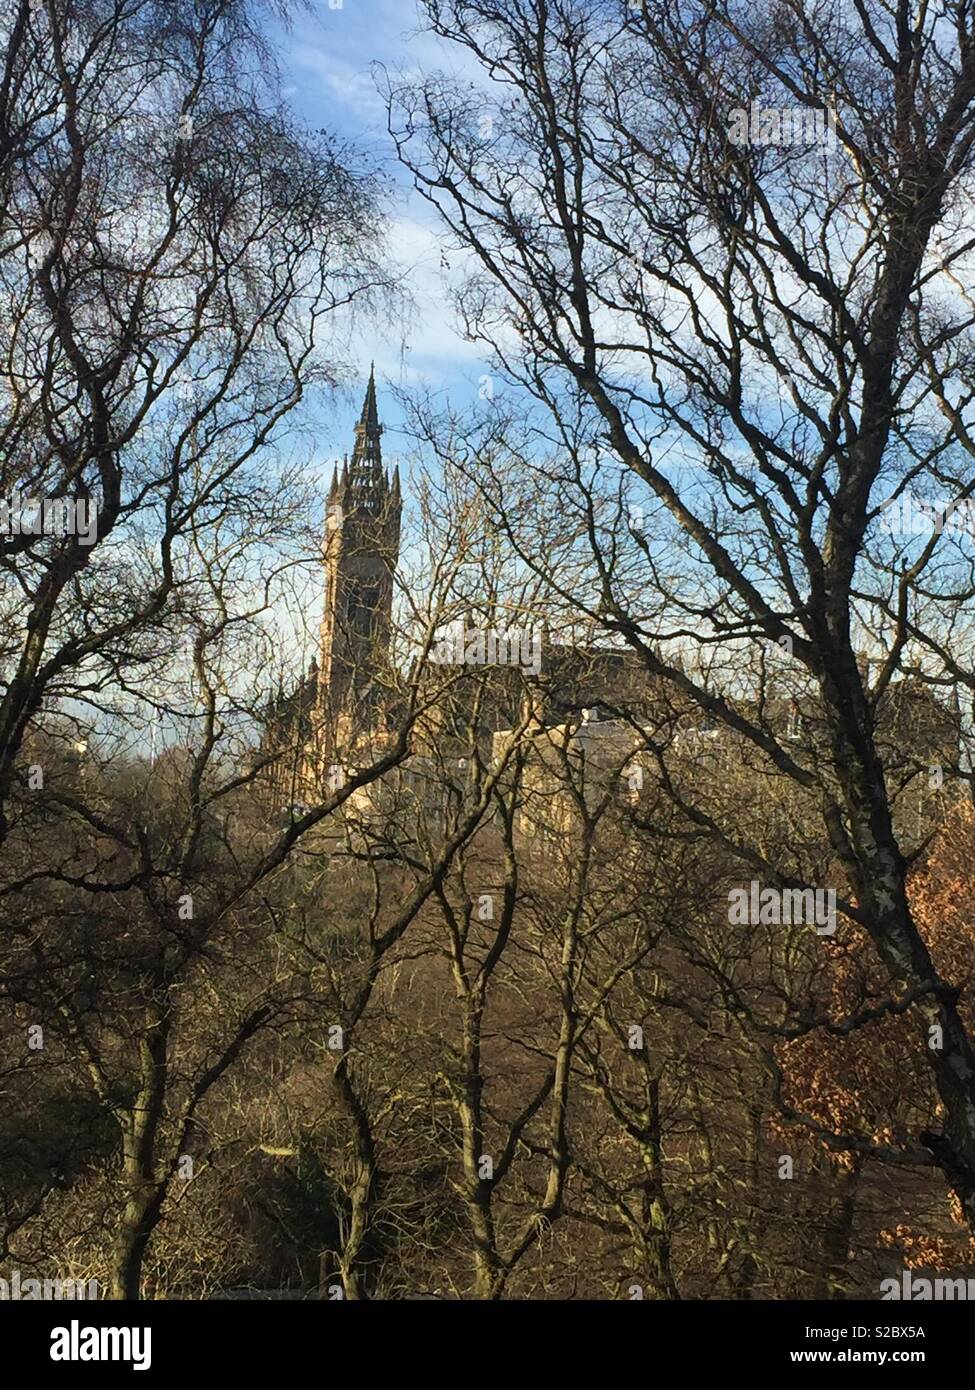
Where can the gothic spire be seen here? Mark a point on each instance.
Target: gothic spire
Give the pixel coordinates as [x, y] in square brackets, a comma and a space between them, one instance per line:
[370, 411]
[366, 471]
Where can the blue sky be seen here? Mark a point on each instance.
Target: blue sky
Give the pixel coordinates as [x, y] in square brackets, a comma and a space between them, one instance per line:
[327, 61]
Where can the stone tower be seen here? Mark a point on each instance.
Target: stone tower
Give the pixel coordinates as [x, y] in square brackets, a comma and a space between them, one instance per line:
[361, 549]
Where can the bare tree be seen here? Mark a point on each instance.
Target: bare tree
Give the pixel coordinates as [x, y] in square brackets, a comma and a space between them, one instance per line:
[789, 319]
[173, 251]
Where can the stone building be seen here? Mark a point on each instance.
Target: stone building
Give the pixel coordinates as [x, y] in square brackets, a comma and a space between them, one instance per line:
[586, 703]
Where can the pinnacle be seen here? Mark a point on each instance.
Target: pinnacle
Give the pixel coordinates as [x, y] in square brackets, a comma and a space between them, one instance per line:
[370, 410]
